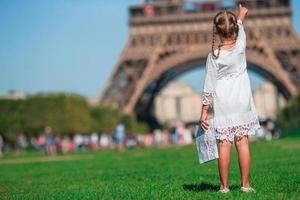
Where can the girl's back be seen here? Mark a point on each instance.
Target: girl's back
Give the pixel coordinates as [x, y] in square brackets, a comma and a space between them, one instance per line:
[232, 61]
[232, 85]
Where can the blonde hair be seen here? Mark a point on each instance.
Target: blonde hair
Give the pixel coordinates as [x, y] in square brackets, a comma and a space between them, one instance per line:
[225, 26]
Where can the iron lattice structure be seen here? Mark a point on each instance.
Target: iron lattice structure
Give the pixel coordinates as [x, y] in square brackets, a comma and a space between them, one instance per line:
[166, 39]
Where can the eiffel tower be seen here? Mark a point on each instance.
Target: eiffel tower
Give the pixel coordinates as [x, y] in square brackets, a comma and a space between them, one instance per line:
[170, 37]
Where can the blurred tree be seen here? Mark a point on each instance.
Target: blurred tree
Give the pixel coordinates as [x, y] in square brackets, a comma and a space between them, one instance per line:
[105, 119]
[289, 118]
[132, 125]
[11, 119]
[66, 114]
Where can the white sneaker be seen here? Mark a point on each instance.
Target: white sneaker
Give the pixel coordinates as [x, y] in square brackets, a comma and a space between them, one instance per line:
[248, 190]
[225, 190]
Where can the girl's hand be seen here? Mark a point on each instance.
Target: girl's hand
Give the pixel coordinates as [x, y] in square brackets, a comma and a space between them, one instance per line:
[242, 12]
[203, 122]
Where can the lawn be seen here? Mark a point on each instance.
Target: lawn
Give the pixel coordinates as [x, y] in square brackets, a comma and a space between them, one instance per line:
[169, 173]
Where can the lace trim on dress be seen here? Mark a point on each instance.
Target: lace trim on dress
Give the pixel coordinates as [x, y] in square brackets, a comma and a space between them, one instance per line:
[229, 133]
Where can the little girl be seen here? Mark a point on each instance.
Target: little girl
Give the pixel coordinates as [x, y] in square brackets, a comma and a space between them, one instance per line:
[227, 90]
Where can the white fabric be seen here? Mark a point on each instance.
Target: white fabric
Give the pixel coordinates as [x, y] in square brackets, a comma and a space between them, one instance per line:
[227, 89]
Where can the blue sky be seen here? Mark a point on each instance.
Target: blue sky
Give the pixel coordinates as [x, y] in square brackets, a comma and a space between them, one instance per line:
[67, 45]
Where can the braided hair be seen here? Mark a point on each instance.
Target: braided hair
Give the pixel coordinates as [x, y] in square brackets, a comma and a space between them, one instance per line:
[225, 26]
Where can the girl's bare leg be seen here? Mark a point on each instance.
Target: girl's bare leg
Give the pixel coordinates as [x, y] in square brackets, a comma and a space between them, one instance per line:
[242, 147]
[223, 162]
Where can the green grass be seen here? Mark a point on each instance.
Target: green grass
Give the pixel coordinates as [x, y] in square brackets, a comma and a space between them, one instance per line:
[171, 173]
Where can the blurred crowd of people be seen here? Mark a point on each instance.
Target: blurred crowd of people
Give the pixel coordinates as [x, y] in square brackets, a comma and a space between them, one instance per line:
[51, 143]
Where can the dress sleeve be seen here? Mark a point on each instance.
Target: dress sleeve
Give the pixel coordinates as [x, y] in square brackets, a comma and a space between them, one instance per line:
[209, 83]
[241, 38]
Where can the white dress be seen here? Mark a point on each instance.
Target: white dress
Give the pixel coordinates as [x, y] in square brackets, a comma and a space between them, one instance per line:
[227, 89]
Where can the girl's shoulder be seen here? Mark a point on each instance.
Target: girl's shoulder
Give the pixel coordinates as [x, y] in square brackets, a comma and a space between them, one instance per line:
[210, 56]
[210, 62]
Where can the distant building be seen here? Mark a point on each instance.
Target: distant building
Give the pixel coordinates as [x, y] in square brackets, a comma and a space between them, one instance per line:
[93, 101]
[176, 103]
[14, 96]
[268, 101]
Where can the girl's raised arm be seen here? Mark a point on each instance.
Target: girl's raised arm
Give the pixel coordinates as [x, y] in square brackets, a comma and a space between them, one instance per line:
[241, 38]
[242, 12]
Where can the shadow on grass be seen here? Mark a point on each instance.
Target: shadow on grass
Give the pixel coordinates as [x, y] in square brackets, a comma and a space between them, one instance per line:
[204, 187]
